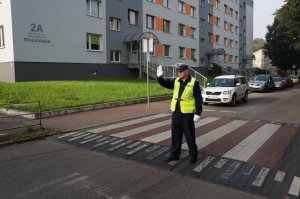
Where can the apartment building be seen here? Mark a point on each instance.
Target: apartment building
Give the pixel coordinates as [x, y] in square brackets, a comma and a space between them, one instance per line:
[94, 39]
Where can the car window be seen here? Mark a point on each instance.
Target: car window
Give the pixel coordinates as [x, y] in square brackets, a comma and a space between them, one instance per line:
[243, 80]
[236, 80]
[222, 82]
[277, 79]
[261, 78]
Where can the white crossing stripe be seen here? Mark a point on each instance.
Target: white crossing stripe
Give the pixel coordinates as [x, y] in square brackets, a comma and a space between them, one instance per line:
[210, 137]
[126, 123]
[74, 181]
[88, 137]
[246, 148]
[167, 134]
[279, 176]
[90, 140]
[141, 129]
[220, 163]
[295, 187]
[81, 136]
[261, 177]
[68, 134]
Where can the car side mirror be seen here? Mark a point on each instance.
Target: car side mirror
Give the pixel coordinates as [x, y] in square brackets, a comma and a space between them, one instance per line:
[208, 84]
[238, 84]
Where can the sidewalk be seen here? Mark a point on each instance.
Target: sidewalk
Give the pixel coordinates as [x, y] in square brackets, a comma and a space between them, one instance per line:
[108, 115]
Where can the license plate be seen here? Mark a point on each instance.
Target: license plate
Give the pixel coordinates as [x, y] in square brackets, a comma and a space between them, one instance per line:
[212, 97]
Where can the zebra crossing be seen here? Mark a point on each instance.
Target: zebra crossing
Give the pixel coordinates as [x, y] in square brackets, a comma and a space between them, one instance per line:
[233, 152]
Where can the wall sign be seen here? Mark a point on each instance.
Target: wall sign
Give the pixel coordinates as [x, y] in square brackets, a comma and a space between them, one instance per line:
[37, 35]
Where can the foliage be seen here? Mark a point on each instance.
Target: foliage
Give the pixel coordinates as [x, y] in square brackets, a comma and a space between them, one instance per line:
[217, 70]
[258, 43]
[279, 47]
[289, 15]
[55, 94]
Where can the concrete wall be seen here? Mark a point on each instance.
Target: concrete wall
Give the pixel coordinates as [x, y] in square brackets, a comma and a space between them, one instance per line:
[6, 53]
[119, 9]
[70, 71]
[175, 17]
[64, 27]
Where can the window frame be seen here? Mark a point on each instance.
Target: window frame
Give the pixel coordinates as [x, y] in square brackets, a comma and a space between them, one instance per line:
[152, 21]
[2, 39]
[183, 30]
[183, 50]
[169, 48]
[168, 30]
[89, 8]
[136, 13]
[181, 9]
[88, 34]
[114, 56]
[118, 24]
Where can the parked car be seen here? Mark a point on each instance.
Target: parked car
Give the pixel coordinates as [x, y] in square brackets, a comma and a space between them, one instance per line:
[295, 79]
[261, 83]
[226, 89]
[288, 82]
[279, 82]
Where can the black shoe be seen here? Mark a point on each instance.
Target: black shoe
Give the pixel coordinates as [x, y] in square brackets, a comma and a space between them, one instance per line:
[193, 159]
[171, 158]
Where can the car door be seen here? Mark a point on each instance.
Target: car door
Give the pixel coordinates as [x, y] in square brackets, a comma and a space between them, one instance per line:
[238, 88]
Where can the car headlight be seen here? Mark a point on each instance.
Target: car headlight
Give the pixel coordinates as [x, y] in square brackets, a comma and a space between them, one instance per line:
[226, 92]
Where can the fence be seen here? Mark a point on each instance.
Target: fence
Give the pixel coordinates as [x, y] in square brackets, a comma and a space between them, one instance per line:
[12, 118]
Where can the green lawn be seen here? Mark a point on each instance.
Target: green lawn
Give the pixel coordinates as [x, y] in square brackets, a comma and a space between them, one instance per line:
[53, 94]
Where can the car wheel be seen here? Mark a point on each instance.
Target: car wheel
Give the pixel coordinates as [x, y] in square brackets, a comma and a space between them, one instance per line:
[245, 99]
[233, 101]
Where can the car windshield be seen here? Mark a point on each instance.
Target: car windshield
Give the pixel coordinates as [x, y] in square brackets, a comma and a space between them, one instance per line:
[262, 78]
[277, 79]
[294, 77]
[222, 82]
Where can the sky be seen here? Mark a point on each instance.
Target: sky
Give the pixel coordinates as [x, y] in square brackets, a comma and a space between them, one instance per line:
[263, 15]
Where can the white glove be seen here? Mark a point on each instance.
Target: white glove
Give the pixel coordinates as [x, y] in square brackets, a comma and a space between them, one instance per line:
[197, 118]
[159, 71]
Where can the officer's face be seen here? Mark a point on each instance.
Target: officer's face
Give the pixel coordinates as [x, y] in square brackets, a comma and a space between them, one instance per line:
[183, 74]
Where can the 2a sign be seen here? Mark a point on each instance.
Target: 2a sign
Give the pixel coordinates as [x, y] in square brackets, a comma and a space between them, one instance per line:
[36, 27]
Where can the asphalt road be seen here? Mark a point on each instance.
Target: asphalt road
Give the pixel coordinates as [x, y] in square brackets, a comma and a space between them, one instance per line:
[47, 169]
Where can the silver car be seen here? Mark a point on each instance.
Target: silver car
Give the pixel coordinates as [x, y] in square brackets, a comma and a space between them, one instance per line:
[279, 82]
[261, 83]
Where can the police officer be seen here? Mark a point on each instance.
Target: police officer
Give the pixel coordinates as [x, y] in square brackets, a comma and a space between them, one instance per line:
[186, 106]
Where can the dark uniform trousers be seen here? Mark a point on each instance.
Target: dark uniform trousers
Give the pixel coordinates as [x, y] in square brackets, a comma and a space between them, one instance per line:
[183, 124]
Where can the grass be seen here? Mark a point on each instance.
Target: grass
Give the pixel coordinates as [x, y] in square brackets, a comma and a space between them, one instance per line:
[53, 94]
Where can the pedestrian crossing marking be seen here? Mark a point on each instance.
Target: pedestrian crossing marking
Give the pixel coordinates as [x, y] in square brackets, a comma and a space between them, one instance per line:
[295, 187]
[246, 148]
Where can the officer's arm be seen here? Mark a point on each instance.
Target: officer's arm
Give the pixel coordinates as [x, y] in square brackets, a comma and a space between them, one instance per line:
[166, 82]
[198, 98]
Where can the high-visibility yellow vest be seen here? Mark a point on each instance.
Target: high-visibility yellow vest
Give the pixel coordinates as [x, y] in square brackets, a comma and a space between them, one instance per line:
[187, 100]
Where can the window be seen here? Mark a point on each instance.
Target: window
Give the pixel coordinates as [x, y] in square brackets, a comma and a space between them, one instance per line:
[237, 61]
[166, 26]
[202, 3]
[181, 53]
[231, 58]
[2, 44]
[151, 1]
[225, 41]
[225, 58]
[150, 21]
[133, 17]
[218, 4]
[115, 24]
[218, 39]
[181, 29]
[193, 54]
[115, 56]
[209, 18]
[244, 46]
[244, 33]
[231, 43]
[202, 23]
[93, 42]
[218, 22]
[210, 39]
[94, 8]
[202, 42]
[236, 14]
[231, 27]
[236, 45]
[225, 7]
[166, 3]
[209, 2]
[231, 12]
[193, 33]
[202, 61]
[237, 30]
[193, 11]
[244, 20]
[225, 25]
[167, 50]
[181, 6]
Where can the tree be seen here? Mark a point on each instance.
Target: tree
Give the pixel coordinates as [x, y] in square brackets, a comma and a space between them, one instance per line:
[279, 46]
[258, 43]
[289, 15]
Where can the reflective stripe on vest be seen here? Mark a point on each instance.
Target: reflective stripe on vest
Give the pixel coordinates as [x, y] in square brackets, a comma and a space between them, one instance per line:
[187, 100]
